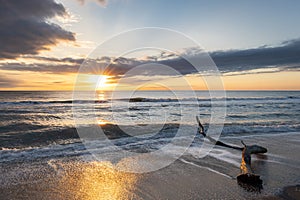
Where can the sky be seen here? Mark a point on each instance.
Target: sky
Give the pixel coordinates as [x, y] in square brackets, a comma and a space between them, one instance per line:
[44, 45]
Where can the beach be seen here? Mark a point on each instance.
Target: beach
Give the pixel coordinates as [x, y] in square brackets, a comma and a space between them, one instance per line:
[187, 178]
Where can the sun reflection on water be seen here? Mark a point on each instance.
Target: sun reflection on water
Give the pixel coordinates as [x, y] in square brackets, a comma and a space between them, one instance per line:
[101, 96]
[102, 122]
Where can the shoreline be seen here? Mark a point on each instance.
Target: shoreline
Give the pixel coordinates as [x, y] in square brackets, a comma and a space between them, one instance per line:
[211, 177]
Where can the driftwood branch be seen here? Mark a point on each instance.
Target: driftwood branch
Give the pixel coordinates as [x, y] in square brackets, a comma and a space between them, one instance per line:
[247, 178]
[212, 140]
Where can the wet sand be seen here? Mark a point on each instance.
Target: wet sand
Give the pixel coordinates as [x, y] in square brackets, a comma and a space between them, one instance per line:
[186, 178]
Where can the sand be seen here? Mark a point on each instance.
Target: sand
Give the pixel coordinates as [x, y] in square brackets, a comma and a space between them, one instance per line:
[186, 178]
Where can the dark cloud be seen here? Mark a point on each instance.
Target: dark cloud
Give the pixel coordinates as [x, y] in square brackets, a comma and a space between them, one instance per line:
[284, 57]
[25, 29]
[265, 59]
[268, 59]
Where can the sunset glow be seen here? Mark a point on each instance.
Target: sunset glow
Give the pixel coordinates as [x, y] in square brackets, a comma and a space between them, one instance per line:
[265, 61]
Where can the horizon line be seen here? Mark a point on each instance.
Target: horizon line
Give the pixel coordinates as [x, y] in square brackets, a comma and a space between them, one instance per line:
[233, 90]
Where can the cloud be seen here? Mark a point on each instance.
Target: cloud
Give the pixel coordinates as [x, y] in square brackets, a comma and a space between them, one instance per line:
[25, 27]
[284, 56]
[102, 3]
[266, 59]
[55, 68]
[64, 60]
[6, 82]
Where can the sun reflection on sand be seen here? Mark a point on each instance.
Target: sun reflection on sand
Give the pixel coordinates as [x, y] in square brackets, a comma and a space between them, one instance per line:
[96, 180]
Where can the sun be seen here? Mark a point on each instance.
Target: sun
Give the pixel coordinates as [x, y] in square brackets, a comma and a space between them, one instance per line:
[97, 82]
[102, 81]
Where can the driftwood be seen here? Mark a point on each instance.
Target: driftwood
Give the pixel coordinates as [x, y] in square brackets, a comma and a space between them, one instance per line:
[247, 179]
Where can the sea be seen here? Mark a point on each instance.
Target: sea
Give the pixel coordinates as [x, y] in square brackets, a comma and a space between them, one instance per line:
[41, 124]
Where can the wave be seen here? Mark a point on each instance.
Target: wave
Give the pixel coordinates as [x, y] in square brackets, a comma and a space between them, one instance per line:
[106, 149]
[142, 99]
[259, 128]
[145, 99]
[42, 136]
[52, 102]
[73, 147]
[270, 115]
